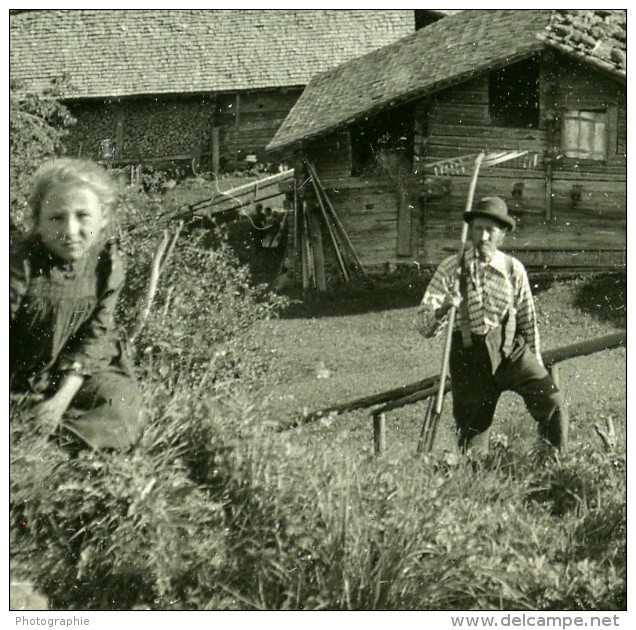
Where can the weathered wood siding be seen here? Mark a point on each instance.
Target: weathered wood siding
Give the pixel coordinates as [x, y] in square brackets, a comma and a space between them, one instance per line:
[247, 121]
[367, 207]
[456, 122]
[598, 218]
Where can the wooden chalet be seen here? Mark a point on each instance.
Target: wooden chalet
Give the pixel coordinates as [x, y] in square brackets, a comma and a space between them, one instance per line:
[391, 138]
[157, 86]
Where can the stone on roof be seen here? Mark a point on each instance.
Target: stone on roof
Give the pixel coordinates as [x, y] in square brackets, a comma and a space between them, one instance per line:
[598, 37]
[112, 53]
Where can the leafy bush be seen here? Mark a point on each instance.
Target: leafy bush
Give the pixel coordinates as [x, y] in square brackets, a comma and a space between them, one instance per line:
[198, 330]
[37, 124]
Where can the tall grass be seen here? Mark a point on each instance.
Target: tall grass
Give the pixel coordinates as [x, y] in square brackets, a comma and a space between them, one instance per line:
[214, 511]
[409, 535]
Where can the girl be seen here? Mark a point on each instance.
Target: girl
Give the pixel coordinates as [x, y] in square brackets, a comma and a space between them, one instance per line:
[65, 278]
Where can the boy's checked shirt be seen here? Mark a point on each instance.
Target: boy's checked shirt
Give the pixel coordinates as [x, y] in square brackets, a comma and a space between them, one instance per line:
[491, 290]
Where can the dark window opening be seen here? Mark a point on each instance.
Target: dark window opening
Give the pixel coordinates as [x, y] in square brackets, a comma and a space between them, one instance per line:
[388, 133]
[514, 95]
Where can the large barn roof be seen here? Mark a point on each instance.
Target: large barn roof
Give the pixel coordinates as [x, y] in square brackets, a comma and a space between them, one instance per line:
[114, 53]
[446, 53]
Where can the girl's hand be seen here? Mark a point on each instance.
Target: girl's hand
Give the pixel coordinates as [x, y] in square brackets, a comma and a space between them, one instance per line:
[48, 413]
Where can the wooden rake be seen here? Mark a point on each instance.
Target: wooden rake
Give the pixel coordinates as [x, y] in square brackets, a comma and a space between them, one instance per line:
[483, 160]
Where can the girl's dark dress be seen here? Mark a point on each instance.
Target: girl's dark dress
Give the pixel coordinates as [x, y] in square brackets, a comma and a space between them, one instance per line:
[62, 320]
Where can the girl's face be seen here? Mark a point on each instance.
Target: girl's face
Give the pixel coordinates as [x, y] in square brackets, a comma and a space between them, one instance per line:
[71, 221]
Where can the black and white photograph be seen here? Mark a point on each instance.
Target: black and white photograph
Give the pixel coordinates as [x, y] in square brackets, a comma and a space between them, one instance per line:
[317, 310]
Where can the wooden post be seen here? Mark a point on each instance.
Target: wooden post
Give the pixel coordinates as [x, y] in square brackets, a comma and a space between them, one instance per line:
[404, 224]
[119, 136]
[565, 416]
[379, 433]
[237, 124]
[549, 105]
[318, 254]
[548, 188]
[554, 373]
[214, 150]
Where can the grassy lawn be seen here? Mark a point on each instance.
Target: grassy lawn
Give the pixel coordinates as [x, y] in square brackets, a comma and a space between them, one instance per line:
[363, 342]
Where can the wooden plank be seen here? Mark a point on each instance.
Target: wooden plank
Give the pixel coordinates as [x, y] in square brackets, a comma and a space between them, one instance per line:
[315, 237]
[450, 113]
[486, 131]
[469, 144]
[214, 149]
[336, 218]
[261, 121]
[254, 102]
[332, 234]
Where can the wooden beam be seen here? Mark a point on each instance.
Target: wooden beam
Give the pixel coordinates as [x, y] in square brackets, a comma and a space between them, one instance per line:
[315, 235]
[420, 390]
[236, 197]
[336, 218]
[214, 149]
[404, 225]
[119, 134]
[237, 123]
[332, 234]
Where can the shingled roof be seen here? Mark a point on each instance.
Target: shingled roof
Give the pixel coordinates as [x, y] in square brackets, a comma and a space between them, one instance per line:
[446, 53]
[113, 53]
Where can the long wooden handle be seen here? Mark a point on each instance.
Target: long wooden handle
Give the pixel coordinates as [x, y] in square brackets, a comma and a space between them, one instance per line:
[453, 310]
[336, 218]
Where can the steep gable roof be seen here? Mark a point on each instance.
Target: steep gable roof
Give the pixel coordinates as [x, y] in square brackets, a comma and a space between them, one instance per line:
[442, 54]
[111, 53]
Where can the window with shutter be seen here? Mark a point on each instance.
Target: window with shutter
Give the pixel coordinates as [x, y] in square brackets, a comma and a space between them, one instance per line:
[584, 134]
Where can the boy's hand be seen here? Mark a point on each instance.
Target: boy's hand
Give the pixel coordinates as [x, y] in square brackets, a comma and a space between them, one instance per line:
[450, 299]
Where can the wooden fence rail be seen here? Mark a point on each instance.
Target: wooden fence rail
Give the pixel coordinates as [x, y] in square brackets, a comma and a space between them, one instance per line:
[551, 359]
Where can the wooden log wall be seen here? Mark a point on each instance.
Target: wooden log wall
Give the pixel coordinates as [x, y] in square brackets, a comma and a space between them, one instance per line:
[590, 197]
[586, 224]
[367, 206]
[368, 213]
[247, 121]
